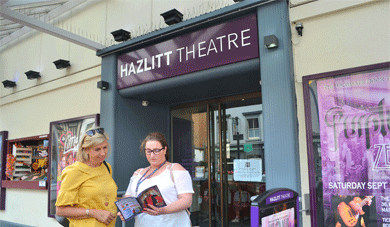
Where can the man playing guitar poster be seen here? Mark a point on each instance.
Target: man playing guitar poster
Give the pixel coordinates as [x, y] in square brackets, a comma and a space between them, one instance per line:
[350, 212]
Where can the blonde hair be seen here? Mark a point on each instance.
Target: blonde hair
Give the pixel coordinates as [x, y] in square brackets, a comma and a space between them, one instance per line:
[87, 142]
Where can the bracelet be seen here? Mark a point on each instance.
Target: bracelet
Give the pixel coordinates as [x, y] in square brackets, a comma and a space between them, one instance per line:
[87, 211]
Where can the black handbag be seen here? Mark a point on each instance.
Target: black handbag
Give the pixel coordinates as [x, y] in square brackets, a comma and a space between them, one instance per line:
[63, 220]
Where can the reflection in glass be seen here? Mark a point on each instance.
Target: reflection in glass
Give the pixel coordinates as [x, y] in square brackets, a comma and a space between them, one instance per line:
[228, 172]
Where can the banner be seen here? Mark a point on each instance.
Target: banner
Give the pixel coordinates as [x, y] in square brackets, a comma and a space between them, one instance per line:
[354, 117]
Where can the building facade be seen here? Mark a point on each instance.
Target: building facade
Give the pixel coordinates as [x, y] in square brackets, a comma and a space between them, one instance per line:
[235, 107]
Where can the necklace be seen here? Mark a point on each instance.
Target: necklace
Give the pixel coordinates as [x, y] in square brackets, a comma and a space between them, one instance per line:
[143, 178]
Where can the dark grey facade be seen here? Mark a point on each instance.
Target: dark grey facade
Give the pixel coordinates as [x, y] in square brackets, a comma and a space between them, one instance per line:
[128, 122]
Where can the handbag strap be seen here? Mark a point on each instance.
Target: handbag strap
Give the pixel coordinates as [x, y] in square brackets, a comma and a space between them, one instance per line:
[105, 163]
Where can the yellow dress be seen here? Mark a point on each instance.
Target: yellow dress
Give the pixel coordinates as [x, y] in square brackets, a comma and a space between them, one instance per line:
[86, 187]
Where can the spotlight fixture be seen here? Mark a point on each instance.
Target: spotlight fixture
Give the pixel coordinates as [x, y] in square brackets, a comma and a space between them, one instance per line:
[238, 0]
[121, 35]
[145, 103]
[9, 83]
[61, 64]
[102, 85]
[271, 41]
[299, 28]
[172, 17]
[32, 75]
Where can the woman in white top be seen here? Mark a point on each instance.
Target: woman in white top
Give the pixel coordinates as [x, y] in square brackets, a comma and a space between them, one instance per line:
[173, 181]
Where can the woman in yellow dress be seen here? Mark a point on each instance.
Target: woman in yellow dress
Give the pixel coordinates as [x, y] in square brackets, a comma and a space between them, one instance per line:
[88, 192]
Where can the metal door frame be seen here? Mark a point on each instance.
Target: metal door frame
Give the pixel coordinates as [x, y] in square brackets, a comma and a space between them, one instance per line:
[222, 148]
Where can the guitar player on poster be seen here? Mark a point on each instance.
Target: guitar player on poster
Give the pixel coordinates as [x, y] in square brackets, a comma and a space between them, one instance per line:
[352, 211]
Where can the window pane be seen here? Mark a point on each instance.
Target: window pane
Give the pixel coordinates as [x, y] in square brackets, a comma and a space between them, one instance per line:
[255, 123]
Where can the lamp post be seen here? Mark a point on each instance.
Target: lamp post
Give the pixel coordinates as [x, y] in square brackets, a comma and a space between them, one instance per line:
[236, 134]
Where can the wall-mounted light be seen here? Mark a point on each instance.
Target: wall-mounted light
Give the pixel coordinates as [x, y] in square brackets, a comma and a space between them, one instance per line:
[145, 103]
[9, 83]
[32, 75]
[172, 17]
[271, 41]
[238, 0]
[61, 64]
[299, 28]
[102, 85]
[121, 35]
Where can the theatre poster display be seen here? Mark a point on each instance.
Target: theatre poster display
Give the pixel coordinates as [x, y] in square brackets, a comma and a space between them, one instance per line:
[3, 153]
[354, 125]
[64, 141]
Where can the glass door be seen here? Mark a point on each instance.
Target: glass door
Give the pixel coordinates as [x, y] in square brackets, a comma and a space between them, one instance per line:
[220, 144]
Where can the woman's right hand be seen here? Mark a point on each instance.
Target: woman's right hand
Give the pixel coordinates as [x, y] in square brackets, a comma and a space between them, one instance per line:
[103, 216]
[120, 215]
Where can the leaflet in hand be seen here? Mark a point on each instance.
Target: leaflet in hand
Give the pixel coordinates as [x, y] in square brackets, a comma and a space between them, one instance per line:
[131, 206]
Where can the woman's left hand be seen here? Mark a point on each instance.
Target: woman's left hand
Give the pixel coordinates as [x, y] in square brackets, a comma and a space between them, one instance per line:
[152, 210]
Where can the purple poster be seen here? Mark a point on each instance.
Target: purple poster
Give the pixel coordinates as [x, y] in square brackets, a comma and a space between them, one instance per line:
[354, 115]
[222, 44]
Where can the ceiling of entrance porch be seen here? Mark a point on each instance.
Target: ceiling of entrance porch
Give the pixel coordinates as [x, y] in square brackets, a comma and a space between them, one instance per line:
[20, 17]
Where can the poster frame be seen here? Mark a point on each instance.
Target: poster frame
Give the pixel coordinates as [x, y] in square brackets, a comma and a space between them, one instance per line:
[308, 125]
[52, 153]
[3, 152]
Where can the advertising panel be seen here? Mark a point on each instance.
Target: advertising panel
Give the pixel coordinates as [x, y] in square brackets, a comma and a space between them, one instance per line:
[354, 117]
[277, 207]
[3, 153]
[64, 141]
[282, 219]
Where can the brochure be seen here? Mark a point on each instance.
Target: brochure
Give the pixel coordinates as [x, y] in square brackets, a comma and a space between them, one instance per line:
[131, 206]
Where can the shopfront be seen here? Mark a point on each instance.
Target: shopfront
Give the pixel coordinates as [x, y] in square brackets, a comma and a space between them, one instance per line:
[225, 102]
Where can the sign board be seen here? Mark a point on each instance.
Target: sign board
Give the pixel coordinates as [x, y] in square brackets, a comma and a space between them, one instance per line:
[248, 147]
[238, 137]
[226, 43]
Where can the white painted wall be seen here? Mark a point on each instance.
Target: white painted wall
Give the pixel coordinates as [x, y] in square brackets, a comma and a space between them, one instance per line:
[28, 109]
[337, 35]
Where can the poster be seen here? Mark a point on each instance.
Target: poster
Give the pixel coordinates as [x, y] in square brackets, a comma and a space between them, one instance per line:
[284, 218]
[3, 161]
[354, 117]
[64, 141]
[247, 170]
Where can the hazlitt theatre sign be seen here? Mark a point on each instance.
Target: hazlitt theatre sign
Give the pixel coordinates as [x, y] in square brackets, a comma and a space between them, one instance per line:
[233, 41]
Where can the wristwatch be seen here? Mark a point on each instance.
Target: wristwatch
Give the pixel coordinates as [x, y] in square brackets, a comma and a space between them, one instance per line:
[87, 211]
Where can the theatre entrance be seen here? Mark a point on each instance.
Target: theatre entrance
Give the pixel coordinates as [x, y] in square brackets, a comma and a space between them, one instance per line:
[220, 142]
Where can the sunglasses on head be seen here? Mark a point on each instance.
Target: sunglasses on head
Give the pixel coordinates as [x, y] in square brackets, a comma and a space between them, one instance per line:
[92, 132]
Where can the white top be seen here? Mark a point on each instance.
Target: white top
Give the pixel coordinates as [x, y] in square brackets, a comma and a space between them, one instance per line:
[183, 183]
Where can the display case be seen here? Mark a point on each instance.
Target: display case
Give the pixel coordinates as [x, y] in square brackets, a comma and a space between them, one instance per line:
[27, 162]
[23, 162]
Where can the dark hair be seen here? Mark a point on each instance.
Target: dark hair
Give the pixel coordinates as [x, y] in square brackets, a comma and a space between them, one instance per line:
[155, 136]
